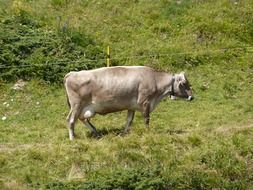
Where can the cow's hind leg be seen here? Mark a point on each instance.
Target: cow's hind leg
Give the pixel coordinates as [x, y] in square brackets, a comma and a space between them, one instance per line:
[88, 113]
[88, 124]
[130, 117]
[72, 117]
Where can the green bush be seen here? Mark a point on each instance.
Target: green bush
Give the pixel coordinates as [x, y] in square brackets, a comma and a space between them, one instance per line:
[128, 179]
[30, 50]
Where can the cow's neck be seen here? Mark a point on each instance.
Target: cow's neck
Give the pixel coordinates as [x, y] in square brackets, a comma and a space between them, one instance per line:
[165, 84]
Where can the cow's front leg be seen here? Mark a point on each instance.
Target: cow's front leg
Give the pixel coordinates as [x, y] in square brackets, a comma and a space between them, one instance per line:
[146, 113]
[130, 117]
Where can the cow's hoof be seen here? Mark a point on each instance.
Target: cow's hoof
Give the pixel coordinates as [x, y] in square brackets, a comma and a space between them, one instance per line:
[124, 133]
[95, 135]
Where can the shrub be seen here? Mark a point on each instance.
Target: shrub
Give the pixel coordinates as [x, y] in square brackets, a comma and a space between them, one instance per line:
[127, 179]
[28, 50]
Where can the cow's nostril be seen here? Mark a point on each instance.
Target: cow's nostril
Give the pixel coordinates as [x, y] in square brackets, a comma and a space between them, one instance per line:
[190, 98]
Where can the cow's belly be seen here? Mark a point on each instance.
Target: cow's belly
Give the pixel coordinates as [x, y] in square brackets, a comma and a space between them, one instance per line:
[114, 106]
[105, 107]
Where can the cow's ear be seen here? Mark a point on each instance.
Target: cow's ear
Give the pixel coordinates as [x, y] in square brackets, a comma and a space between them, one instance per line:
[181, 78]
[184, 74]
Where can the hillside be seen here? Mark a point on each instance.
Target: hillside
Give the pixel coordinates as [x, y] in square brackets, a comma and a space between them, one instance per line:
[205, 144]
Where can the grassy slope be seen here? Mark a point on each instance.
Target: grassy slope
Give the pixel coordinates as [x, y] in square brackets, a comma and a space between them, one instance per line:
[204, 144]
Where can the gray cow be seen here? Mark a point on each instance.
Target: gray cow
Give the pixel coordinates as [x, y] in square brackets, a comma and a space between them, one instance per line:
[113, 89]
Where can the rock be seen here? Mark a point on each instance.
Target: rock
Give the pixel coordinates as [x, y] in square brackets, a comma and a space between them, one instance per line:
[19, 85]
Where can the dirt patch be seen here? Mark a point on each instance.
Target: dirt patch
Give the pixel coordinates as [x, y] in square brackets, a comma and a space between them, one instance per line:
[16, 147]
[10, 147]
[226, 129]
[75, 172]
[13, 185]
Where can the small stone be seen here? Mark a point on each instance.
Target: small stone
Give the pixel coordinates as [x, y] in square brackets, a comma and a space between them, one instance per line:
[19, 85]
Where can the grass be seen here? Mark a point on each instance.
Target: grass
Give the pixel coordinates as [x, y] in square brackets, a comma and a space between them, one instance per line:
[204, 144]
[210, 138]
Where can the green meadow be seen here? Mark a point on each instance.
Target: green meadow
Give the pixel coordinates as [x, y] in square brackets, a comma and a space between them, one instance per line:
[203, 144]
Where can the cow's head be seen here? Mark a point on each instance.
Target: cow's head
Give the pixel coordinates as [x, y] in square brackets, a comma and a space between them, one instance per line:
[181, 87]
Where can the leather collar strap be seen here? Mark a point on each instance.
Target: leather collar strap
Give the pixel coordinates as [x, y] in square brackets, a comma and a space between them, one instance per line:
[172, 93]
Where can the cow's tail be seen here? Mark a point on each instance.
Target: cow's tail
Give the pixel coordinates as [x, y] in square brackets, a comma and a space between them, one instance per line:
[68, 100]
[65, 86]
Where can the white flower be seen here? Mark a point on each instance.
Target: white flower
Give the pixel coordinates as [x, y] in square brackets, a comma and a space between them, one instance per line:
[4, 118]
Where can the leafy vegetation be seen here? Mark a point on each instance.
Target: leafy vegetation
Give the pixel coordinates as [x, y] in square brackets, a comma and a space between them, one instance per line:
[205, 144]
[30, 51]
[121, 179]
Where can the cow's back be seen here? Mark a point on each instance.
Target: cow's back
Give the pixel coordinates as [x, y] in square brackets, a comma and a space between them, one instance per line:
[121, 77]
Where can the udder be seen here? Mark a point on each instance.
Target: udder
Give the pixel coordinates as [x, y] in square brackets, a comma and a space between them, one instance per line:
[88, 112]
